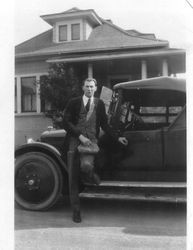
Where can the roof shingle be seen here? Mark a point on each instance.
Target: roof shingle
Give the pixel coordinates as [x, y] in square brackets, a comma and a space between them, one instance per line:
[103, 37]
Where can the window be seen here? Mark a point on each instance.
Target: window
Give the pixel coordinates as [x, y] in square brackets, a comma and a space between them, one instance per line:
[63, 33]
[136, 117]
[173, 112]
[153, 114]
[160, 114]
[75, 31]
[45, 105]
[28, 94]
[15, 95]
[68, 32]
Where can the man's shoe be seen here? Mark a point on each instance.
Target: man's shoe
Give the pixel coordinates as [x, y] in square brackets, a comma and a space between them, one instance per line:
[76, 216]
[96, 179]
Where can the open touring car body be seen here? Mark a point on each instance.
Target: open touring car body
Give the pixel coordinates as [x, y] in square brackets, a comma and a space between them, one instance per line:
[151, 114]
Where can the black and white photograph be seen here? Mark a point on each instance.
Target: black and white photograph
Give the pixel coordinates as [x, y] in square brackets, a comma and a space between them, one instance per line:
[100, 131]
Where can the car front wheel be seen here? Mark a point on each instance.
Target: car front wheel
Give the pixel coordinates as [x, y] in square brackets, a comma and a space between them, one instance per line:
[38, 181]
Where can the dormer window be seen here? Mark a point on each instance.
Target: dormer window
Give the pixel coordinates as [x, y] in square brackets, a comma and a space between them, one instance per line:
[67, 31]
[63, 35]
[72, 25]
[75, 31]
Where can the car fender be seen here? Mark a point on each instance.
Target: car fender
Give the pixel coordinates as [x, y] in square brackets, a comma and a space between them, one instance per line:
[44, 148]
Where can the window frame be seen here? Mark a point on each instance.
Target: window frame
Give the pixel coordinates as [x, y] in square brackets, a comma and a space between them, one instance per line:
[153, 116]
[19, 97]
[15, 95]
[72, 25]
[32, 96]
[59, 35]
[69, 25]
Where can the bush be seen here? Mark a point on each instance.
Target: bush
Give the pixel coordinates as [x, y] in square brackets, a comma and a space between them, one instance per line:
[57, 88]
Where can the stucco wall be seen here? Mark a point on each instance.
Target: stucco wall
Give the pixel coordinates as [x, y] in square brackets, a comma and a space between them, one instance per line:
[88, 30]
[29, 126]
[24, 68]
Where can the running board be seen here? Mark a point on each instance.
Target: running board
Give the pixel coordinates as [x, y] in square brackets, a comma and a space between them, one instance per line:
[144, 184]
[144, 191]
[136, 197]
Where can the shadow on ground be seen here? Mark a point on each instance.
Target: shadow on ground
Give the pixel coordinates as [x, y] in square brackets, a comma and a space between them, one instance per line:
[138, 218]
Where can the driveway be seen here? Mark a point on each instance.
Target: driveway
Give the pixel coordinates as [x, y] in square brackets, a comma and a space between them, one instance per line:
[106, 224]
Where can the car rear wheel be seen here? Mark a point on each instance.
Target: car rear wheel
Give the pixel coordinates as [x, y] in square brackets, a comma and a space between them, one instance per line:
[38, 181]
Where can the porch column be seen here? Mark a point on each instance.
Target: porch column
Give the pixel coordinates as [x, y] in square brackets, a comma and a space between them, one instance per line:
[38, 102]
[18, 80]
[164, 67]
[143, 69]
[90, 70]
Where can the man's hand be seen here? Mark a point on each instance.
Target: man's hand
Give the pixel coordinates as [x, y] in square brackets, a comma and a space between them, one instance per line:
[84, 140]
[123, 141]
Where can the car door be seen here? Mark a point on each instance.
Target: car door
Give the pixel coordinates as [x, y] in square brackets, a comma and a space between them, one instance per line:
[175, 143]
[142, 126]
[144, 150]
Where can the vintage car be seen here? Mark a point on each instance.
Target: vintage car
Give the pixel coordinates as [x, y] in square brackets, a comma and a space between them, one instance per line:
[151, 114]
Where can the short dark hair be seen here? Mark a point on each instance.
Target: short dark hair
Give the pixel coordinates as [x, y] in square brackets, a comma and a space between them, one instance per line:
[90, 79]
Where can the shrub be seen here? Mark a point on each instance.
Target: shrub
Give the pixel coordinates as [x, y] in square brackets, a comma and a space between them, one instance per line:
[56, 88]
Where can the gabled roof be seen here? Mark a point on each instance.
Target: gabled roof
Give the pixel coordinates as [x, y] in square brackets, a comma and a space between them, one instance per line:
[106, 36]
[42, 40]
[71, 10]
[90, 14]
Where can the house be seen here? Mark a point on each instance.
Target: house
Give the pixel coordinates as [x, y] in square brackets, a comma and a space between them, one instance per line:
[96, 48]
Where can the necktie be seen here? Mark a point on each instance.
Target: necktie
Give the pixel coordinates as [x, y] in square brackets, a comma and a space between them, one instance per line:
[87, 107]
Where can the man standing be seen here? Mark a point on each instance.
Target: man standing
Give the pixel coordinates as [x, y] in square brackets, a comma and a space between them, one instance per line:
[83, 118]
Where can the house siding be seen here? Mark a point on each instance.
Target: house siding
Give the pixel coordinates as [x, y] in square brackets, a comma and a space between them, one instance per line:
[88, 30]
[30, 126]
[31, 68]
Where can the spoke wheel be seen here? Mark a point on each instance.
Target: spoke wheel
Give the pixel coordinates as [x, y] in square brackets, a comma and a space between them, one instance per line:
[38, 181]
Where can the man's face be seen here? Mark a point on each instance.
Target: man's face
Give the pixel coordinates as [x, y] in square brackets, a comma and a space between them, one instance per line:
[89, 88]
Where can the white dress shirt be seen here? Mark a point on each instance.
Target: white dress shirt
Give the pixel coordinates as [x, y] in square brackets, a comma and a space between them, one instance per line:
[85, 100]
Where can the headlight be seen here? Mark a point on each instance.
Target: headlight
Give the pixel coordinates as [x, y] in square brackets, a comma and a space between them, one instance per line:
[30, 140]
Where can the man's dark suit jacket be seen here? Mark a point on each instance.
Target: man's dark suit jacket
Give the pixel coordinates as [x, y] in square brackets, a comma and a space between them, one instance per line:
[71, 117]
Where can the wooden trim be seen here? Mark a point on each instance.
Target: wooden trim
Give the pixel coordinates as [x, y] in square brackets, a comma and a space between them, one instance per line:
[143, 69]
[38, 101]
[90, 70]
[31, 74]
[114, 56]
[18, 80]
[165, 67]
